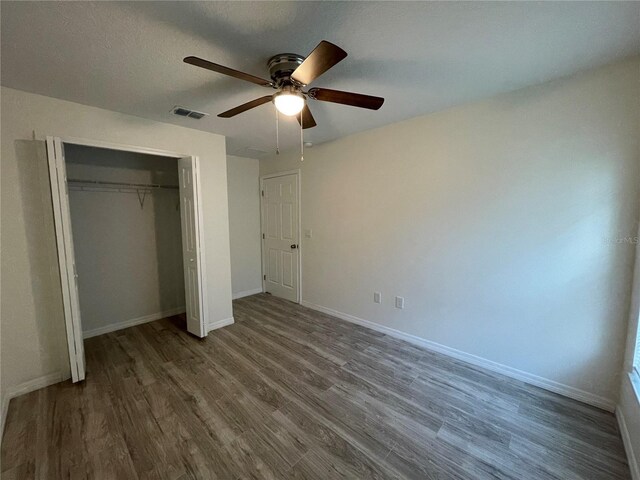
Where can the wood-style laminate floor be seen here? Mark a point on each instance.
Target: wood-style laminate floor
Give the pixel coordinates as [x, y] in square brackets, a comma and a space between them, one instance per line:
[287, 392]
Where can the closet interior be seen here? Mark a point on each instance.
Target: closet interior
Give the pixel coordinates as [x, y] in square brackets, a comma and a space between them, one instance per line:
[125, 219]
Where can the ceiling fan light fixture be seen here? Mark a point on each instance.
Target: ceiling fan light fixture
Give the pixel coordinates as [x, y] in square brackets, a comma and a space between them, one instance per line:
[289, 103]
[290, 73]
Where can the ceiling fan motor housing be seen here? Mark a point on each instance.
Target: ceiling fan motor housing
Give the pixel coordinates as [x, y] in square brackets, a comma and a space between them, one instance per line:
[281, 67]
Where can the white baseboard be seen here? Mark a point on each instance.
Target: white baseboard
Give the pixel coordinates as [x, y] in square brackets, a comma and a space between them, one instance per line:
[26, 387]
[556, 387]
[220, 323]
[133, 322]
[246, 293]
[634, 466]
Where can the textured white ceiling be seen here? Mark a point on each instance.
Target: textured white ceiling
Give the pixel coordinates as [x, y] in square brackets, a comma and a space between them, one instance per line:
[422, 57]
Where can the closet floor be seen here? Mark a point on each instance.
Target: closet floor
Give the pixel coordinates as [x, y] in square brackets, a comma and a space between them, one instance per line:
[287, 392]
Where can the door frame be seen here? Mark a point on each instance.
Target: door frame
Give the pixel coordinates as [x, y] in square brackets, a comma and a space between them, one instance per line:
[298, 173]
[75, 340]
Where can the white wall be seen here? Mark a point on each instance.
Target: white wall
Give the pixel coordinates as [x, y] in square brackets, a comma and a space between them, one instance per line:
[243, 180]
[128, 257]
[32, 328]
[492, 219]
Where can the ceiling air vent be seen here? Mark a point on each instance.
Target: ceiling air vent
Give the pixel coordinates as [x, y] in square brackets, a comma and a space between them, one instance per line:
[185, 112]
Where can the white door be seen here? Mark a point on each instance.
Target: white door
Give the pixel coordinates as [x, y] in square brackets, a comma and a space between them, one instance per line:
[191, 251]
[66, 257]
[281, 252]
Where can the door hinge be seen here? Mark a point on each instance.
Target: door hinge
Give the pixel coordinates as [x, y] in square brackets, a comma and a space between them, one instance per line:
[263, 193]
[264, 277]
[263, 236]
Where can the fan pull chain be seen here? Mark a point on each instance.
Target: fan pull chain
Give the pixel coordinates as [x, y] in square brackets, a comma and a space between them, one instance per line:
[301, 139]
[277, 133]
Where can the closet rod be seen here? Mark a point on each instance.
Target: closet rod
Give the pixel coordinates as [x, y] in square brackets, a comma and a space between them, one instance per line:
[122, 184]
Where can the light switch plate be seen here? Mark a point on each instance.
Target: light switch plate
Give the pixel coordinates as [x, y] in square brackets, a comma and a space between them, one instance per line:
[308, 233]
[377, 297]
[399, 302]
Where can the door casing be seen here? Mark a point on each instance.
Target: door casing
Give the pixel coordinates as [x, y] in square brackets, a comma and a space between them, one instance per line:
[296, 172]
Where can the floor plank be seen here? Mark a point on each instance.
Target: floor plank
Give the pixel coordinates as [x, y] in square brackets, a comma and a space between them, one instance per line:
[287, 392]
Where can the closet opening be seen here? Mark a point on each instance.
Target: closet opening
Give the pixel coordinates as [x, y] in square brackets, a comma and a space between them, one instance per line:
[128, 227]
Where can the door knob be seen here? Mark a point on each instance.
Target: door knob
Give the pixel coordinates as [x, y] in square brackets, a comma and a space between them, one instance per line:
[294, 246]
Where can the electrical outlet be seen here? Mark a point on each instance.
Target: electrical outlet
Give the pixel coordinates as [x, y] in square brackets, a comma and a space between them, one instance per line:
[377, 297]
[399, 302]
[308, 233]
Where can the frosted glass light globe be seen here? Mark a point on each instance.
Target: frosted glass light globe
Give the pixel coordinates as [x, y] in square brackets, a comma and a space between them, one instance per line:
[289, 104]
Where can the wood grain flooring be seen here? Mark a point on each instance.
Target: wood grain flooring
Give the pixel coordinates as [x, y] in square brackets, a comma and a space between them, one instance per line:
[287, 392]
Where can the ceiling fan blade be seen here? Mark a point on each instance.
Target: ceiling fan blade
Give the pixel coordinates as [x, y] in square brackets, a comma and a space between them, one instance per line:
[199, 62]
[246, 106]
[323, 57]
[307, 119]
[346, 98]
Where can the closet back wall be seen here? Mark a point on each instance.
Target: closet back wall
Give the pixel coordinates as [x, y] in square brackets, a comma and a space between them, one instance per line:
[128, 257]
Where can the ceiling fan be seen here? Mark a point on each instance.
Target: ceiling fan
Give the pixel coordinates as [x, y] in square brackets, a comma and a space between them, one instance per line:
[290, 74]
